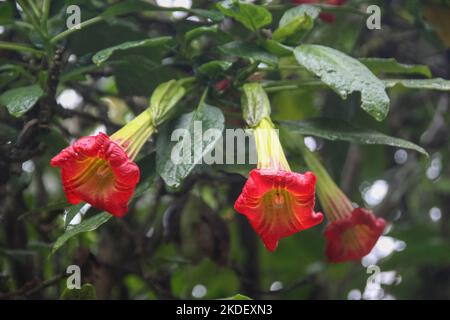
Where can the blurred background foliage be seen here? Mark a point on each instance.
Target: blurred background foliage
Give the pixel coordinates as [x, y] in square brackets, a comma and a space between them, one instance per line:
[189, 242]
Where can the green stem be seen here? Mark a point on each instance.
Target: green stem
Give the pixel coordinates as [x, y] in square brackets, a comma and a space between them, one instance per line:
[45, 10]
[35, 9]
[291, 85]
[68, 32]
[33, 18]
[20, 47]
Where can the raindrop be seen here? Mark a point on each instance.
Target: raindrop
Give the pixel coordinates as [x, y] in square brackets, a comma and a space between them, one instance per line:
[401, 156]
[311, 143]
[199, 291]
[354, 294]
[435, 214]
[276, 286]
[376, 193]
[28, 166]
[69, 99]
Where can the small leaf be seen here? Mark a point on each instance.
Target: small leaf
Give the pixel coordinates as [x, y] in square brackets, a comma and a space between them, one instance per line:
[214, 16]
[89, 224]
[295, 23]
[276, 48]
[345, 75]
[200, 31]
[130, 6]
[86, 292]
[126, 7]
[252, 16]
[333, 129]
[103, 55]
[255, 104]
[248, 51]
[391, 66]
[214, 68]
[19, 100]
[426, 84]
[192, 143]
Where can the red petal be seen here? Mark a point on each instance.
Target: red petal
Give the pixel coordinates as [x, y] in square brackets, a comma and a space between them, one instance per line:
[278, 204]
[97, 170]
[353, 237]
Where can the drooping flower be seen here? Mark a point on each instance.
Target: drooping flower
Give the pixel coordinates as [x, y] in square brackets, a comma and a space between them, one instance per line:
[276, 201]
[324, 16]
[100, 169]
[351, 232]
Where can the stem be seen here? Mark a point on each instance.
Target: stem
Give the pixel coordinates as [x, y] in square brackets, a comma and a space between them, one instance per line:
[20, 47]
[34, 8]
[284, 85]
[68, 32]
[33, 18]
[45, 10]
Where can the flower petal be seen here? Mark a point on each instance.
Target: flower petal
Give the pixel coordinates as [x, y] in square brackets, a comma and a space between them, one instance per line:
[353, 237]
[278, 204]
[95, 169]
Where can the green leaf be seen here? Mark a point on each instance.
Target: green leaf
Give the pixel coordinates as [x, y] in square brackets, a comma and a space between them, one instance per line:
[89, 224]
[345, 75]
[86, 292]
[130, 6]
[139, 75]
[391, 66]
[276, 48]
[126, 7]
[72, 212]
[6, 13]
[238, 297]
[19, 100]
[214, 16]
[200, 31]
[295, 23]
[248, 51]
[191, 143]
[426, 84]
[333, 129]
[252, 16]
[214, 68]
[103, 55]
[255, 104]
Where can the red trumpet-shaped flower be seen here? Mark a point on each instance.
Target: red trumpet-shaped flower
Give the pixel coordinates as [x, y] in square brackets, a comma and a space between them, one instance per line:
[276, 201]
[100, 169]
[351, 232]
[324, 16]
[353, 236]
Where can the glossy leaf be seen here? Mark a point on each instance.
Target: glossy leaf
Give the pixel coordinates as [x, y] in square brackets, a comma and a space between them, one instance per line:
[438, 84]
[295, 23]
[89, 224]
[333, 129]
[214, 68]
[345, 75]
[252, 16]
[191, 141]
[103, 55]
[248, 51]
[392, 66]
[19, 100]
